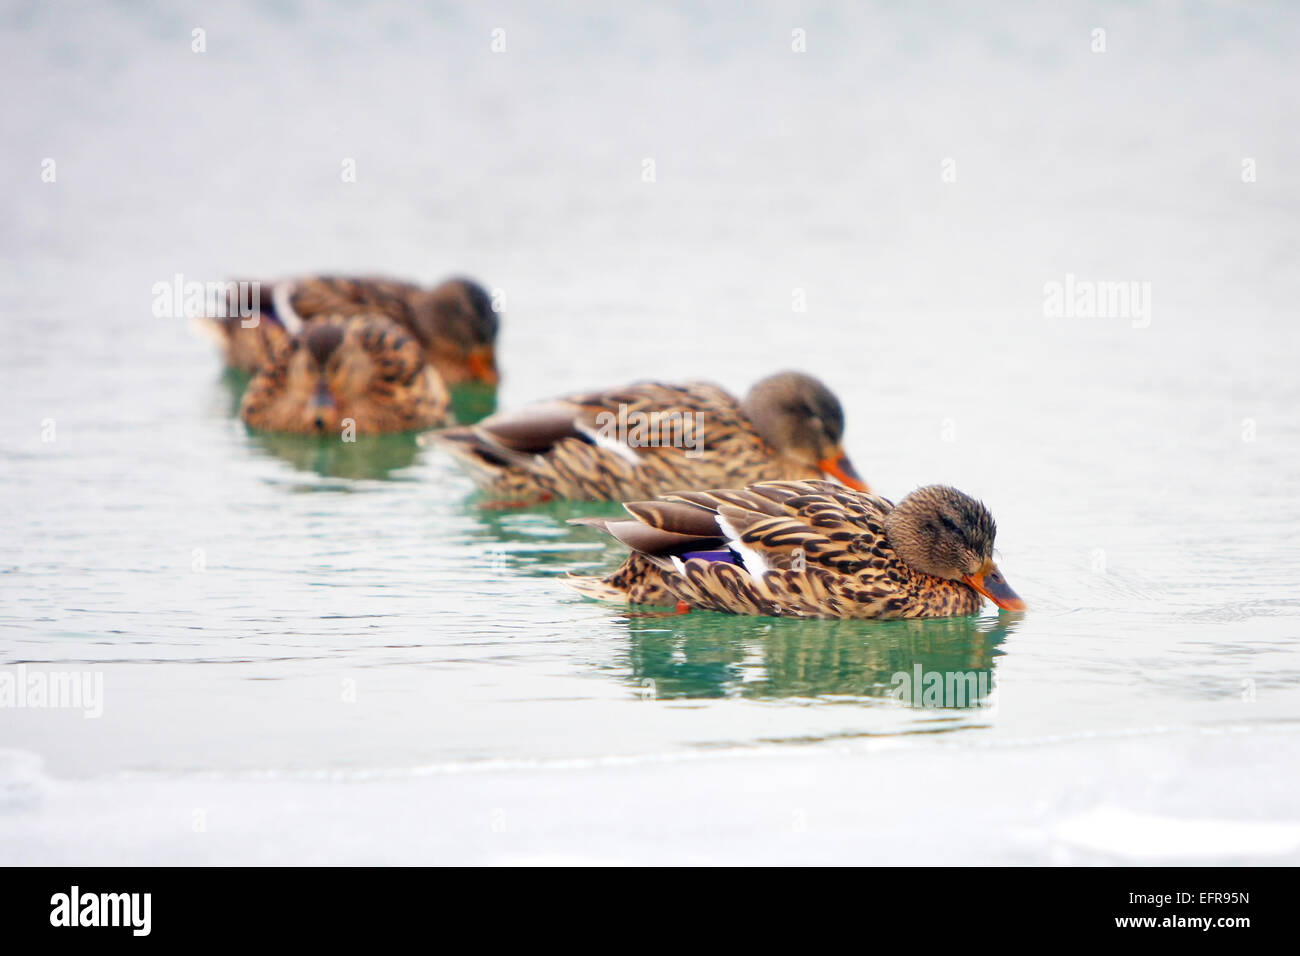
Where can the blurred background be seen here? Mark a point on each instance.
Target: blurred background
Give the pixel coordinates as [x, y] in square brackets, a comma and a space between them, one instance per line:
[883, 195]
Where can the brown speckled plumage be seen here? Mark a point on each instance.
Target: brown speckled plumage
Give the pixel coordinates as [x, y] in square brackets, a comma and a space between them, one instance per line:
[453, 322]
[562, 448]
[246, 347]
[363, 368]
[826, 550]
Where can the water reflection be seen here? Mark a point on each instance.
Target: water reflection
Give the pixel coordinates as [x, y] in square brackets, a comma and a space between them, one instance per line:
[519, 525]
[946, 663]
[943, 664]
[469, 403]
[473, 401]
[373, 457]
[537, 541]
[230, 387]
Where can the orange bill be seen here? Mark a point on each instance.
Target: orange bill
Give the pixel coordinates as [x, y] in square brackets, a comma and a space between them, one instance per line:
[839, 467]
[482, 363]
[989, 581]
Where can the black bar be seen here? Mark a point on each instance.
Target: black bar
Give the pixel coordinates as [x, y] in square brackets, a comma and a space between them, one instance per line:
[867, 904]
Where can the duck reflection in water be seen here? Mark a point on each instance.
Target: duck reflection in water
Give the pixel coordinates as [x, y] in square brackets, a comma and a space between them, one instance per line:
[369, 457]
[945, 663]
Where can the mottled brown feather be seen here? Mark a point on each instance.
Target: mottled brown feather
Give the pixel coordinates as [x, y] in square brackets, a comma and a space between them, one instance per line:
[561, 463]
[452, 322]
[825, 546]
[381, 382]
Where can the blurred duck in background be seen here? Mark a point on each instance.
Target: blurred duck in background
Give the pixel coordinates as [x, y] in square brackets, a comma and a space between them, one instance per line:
[453, 323]
[364, 369]
[647, 439]
[806, 549]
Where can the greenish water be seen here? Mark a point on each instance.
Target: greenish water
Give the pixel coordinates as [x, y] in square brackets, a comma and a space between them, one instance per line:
[274, 615]
[825, 660]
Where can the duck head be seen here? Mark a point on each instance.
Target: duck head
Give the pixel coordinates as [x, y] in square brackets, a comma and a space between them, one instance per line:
[363, 373]
[943, 532]
[802, 419]
[458, 327]
[314, 374]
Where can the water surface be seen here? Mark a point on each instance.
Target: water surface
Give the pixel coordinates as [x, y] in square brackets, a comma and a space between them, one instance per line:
[282, 609]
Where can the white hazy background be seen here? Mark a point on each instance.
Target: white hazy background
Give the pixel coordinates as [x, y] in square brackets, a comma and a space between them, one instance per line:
[1146, 480]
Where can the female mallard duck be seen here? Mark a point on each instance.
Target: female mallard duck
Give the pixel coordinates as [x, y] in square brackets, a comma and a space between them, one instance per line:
[647, 439]
[454, 322]
[364, 369]
[807, 549]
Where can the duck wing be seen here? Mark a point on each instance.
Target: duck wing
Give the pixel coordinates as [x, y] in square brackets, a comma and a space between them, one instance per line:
[800, 548]
[605, 445]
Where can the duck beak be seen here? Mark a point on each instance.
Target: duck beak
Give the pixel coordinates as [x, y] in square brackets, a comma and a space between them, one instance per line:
[839, 467]
[322, 397]
[320, 408]
[989, 581]
[482, 362]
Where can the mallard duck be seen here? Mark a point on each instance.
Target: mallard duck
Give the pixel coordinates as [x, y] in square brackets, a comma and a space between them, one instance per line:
[646, 439]
[247, 341]
[454, 322]
[807, 549]
[364, 369]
